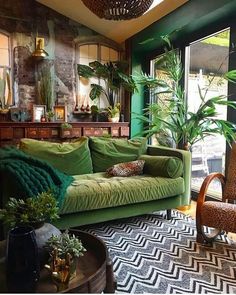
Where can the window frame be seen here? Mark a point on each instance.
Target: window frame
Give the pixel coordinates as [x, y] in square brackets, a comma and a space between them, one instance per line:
[183, 46]
[10, 67]
[99, 45]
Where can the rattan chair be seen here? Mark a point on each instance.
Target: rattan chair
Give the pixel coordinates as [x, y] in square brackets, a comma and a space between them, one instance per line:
[213, 217]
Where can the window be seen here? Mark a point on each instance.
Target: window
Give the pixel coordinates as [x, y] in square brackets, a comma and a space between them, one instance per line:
[5, 71]
[208, 60]
[85, 54]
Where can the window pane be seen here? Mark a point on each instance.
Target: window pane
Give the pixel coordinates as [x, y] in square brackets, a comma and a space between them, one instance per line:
[93, 52]
[84, 51]
[4, 57]
[208, 61]
[105, 53]
[113, 55]
[4, 41]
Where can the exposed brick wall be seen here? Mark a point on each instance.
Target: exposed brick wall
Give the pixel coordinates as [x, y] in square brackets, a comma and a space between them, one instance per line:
[26, 19]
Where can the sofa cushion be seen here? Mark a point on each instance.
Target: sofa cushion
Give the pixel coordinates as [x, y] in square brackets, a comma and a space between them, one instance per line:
[162, 166]
[71, 158]
[126, 169]
[95, 191]
[107, 152]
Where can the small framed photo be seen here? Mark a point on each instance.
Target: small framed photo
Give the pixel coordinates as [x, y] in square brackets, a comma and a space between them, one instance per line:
[39, 111]
[60, 114]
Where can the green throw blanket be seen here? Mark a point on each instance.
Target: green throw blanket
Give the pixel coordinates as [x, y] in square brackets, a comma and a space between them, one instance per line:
[32, 175]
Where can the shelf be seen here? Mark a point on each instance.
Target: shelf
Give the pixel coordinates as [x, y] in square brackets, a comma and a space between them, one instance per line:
[81, 113]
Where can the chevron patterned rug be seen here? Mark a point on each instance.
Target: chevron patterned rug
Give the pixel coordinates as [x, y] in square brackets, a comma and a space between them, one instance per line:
[153, 255]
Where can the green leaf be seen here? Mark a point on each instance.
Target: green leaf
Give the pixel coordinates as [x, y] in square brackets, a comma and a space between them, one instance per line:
[96, 91]
[231, 76]
[85, 71]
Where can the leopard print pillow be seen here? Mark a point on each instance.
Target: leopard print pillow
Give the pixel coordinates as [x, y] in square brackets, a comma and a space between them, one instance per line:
[127, 169]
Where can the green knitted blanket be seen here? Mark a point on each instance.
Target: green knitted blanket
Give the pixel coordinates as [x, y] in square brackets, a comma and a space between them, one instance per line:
[33, 176]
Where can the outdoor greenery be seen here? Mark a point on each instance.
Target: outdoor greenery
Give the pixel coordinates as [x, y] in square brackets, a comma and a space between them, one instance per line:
[169, 117]
[31, 210]
[65, 243]
[114, 76]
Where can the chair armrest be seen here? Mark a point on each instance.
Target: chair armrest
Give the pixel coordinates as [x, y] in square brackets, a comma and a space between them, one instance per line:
[206, 183]
[202, 194]
[185, 156]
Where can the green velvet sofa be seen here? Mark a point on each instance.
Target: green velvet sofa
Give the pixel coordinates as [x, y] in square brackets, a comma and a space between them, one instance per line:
[93, 196]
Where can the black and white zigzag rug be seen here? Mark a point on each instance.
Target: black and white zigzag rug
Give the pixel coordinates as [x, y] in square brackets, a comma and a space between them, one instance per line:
[153, 255]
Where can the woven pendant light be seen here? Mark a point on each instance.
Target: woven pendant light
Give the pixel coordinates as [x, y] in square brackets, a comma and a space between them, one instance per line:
[118, 9]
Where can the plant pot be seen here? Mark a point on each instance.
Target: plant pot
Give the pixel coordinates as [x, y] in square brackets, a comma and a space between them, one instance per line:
[63, 270]
[22, 260]
[115, 119]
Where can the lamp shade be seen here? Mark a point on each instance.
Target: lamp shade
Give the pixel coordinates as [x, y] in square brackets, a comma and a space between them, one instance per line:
[118, 10]
[39, 52]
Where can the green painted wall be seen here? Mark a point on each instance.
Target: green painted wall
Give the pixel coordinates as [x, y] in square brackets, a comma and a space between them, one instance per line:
[137, 101]
[192, 17]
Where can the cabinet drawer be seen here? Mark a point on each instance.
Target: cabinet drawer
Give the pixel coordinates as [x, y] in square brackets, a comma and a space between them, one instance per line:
[6, 133]
[44, 132]
[32, 132]
[124, 131]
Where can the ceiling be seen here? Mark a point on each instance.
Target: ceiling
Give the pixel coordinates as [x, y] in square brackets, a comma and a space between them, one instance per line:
[118, 31]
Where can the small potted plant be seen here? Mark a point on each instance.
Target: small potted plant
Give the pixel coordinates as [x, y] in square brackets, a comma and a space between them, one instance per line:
[31, 211]
[114, 113]
[49, 116]
[94, 112]
[36, 212]
[64, 250]
[66, 130]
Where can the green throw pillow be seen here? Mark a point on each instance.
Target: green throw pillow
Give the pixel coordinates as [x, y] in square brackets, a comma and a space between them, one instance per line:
[72, 158]
[171, 167]
[107, 152]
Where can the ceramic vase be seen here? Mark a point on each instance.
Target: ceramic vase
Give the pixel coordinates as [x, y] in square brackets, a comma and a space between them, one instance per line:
[115, 119]
[42, 234]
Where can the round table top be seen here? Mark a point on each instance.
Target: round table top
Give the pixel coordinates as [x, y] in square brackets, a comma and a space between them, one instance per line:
[91, 268]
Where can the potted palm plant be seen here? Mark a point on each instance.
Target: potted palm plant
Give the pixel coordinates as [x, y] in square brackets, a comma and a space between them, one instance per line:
[114, 77]
[170, 118]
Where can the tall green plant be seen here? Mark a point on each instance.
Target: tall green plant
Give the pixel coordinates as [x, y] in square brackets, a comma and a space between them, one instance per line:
[46, 84]
[114, 76]
[171, 117]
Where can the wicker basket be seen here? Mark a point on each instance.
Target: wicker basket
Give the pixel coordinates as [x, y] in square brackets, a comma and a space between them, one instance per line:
[118, 10]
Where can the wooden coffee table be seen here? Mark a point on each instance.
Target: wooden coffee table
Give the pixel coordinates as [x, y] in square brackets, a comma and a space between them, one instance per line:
[94, 270]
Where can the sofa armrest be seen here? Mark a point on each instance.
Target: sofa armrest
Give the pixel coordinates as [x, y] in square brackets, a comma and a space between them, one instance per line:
[185, 156]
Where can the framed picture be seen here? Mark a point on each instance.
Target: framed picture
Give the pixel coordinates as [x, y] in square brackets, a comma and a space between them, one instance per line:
[39, 111]
[60, 114]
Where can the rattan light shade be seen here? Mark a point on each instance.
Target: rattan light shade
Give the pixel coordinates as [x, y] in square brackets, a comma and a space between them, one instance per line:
[118, 9]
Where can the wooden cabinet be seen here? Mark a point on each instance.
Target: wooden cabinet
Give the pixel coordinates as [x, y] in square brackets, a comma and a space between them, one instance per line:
[12, 132]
